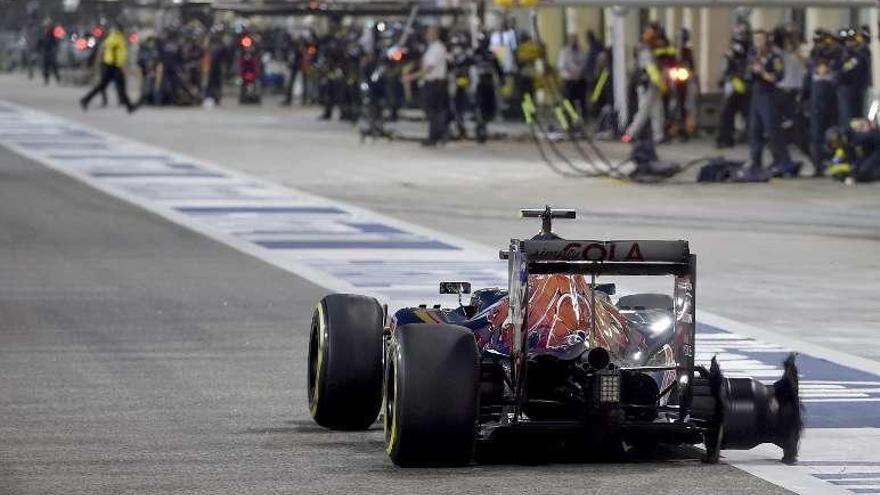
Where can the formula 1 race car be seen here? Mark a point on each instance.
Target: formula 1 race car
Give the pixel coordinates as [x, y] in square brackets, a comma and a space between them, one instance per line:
[551, 360]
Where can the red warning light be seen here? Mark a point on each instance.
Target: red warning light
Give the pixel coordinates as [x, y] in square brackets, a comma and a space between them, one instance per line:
[58, 32]
[396, 54]
[82, 44]
[98, 32]
[247, 42]
[133, 38]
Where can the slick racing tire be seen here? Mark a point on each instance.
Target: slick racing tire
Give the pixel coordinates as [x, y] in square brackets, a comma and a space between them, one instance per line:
[431, 395]
[345, 362]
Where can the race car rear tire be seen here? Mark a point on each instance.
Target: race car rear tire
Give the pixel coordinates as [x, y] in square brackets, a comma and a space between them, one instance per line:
[345, 362]
[431, 395]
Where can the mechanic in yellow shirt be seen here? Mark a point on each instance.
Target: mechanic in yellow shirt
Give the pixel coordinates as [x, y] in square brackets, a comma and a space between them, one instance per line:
[113, 70]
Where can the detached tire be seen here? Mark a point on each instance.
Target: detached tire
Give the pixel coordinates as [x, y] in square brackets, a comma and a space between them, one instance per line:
[345, 362]
[431, 395]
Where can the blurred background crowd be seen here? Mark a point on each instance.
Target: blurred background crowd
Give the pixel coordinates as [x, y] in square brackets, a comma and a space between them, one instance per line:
[372, 64]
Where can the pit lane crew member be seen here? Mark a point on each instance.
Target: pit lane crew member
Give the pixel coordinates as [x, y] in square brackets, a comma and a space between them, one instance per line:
[570, 64]
[114, 58]
[852, 78]
[433, 74]
[766, 70]
[735, 90]
[856, 151]
[651, 87]
[820, 92]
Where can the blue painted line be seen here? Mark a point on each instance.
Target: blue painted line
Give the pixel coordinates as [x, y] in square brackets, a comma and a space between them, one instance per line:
[62, 156]
[294, 233]
[16, 135]
[865, 490]
[291, 232]
[842, 476]
[229, 190]
[154, 174]
[342, 244]
[89, 146]
[222, 210]
[375, 228]
[185, 166]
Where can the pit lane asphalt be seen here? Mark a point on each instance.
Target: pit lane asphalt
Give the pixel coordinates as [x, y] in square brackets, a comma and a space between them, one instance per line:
[139, 357]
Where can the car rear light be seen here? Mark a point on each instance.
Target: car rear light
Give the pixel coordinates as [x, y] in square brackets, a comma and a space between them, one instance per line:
[609, 388]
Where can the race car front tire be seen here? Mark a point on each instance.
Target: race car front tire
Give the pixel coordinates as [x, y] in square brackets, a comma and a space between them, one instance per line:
[345, 362]
[431, 395]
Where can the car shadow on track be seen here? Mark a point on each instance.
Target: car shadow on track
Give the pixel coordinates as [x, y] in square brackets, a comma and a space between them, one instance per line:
[304, 433]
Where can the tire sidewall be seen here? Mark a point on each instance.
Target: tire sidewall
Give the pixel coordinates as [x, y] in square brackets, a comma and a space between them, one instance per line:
[432, 380]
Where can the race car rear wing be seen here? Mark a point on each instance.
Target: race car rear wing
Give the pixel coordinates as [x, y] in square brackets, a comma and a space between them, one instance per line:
[622, 257]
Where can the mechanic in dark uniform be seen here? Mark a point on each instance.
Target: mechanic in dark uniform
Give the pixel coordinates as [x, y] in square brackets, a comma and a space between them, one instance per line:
[460, 66]
[331, 61]
[488, 71]
[170, 60]
[863, 38]
[735, 89]
[47, 45]
[351, 77]
[820, 91]
[294, 56]
[853, 74]
[856, 152]
[218, 55]
[765, 71]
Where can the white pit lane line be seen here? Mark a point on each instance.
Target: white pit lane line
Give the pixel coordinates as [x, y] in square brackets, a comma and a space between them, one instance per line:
[349, 249]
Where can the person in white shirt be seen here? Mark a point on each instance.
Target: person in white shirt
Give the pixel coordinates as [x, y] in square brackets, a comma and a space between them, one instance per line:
[650, 88]
[435, 87]
[792, 78]
[571, 71]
